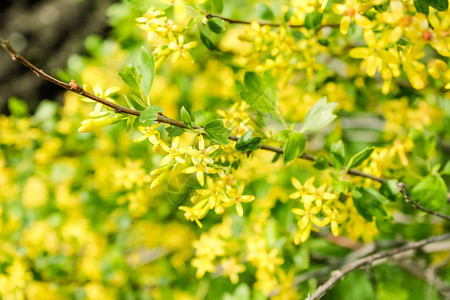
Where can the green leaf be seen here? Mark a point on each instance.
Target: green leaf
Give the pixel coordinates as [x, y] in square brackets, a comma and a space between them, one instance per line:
[247, 142]
[313, 20]
[147, 70]
[217, 132]
[216, 25]
[423, 6]
[185, 117]
[423, 146]
[130, 77]
[360, 157]
[431, 192]
[369, 203]
[294, 146]
[288, 15]
[321, 163]
[338, 155]
[213, 6]
[265, 12]
[319, 115]
[174, 131]
[389, 189]
[150, 114]
[201, 117]
[260, 92]
[446, 169]
[17, 107]
[206, 40]
[276, 157]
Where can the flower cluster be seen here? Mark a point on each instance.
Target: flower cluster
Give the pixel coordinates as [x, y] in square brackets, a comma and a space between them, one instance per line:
[320, 208]
[169, 36]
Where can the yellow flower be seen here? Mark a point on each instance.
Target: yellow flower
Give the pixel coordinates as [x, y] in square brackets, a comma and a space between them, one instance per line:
[352, 10]
[149, 132]
[174, 152]
[215, 192]
[232, 268]
[237, 198]
[307, 188]
[333, 217]
[150, 15]
[200, 170]
[415, 70]
[202, 154]
[196, 212]
[308, 216]
[203, 265]
[375, 56]
[180, 48]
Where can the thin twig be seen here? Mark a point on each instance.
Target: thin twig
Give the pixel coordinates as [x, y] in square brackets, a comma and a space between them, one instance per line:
[339, 274]
[262, 23]
[76, 88]
[402, 189]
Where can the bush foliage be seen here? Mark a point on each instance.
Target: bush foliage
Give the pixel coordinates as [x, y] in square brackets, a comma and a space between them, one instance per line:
[237, 157]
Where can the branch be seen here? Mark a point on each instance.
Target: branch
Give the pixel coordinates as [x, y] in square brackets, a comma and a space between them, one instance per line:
[339, 274]
[402, 189]
[234, 21]
[76, 88]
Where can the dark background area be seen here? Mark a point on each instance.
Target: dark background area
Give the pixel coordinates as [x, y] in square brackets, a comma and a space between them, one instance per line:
[46, 32]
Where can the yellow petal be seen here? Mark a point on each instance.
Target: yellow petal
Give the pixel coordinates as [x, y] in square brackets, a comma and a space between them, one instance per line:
[359, 52]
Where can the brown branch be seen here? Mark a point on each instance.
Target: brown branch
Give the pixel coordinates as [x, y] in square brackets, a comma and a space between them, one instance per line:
[234, 21]
[402, 189]
[76, 88]
[339, 274]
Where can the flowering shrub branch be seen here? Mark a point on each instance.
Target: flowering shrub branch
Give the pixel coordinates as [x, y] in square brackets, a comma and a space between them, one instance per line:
[302, 81]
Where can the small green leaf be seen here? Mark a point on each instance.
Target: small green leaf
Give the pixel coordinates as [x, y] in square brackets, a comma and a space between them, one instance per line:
[294, 146]
[174, 131]
[276, 157]
[359, 158]
[130, 77]
[338, 155]
[247, 142]
[288, 15]
[206, 40]
[260, 92]
[446, 169]
[17, 107]
[217, 132]
[313, 20]
[319, 115]
[321, 163]
[431, 192]
[369, 203]
[201, 117]
[423, 146]
[265, 12]
[185, 117]
[216, 25]
[389, 189]
[150, 114]
[147, 70]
